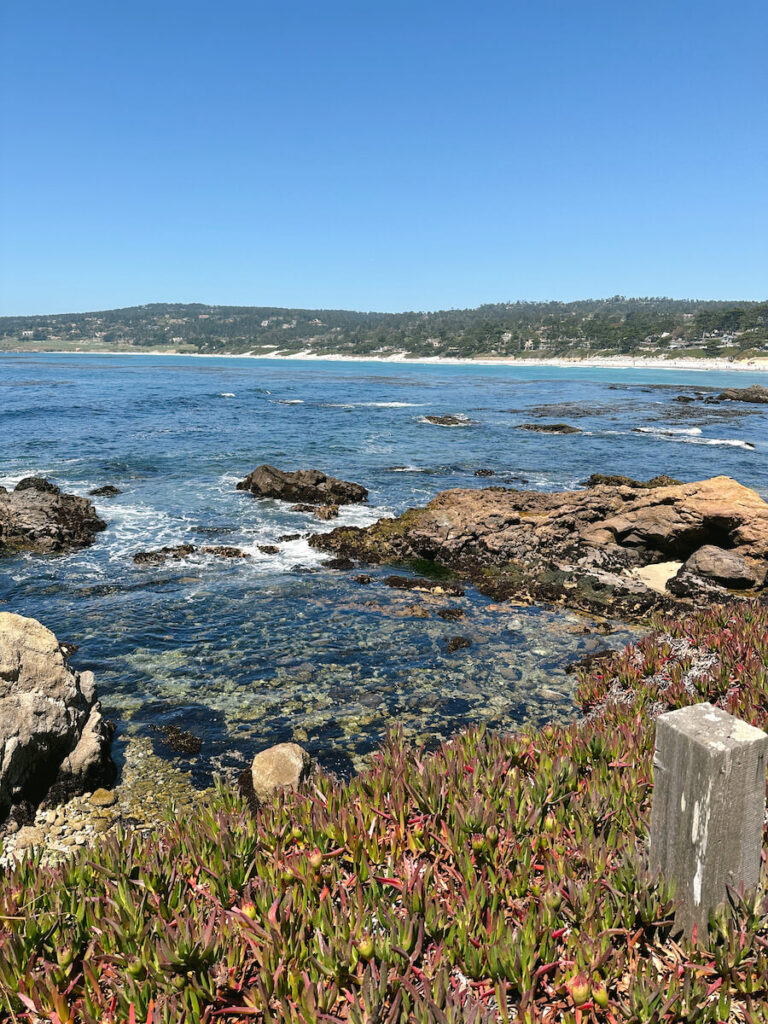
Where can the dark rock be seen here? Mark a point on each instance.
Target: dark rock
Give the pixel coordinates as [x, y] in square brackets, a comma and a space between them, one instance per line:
[107, 491]
[363, 578]
[448, 421]
[457, 643]
[550, 428]
[756, 394]
[37, 517]
[161, 555]
[224, 551]
[588, 661]
[304, 485]
[600, 479]
[302, 507]
[684, 398]
[54, 741]
[285, 537]
[583, 549]
[181, 551]
[425, 586]
[450, 614]
[180, 741]
[269, 549]
[339, 563]
[485, 472]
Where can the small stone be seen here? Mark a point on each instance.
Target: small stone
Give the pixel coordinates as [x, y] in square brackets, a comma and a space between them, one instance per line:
[104, 798]
[283, 766]
[28, 836]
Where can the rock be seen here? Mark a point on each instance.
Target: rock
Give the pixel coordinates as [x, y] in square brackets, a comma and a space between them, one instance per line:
[163, 554]
[425, 586]
[54, 742]
[181, 551]
[284, 538]
[339, 563]
[576, 548]
[29, 836]
[448, 421]
[107, 491]
[302, 507]
[327, 512]
[457, 643]
[596, 479]
[485, 472]
[224, 551]
[304, 485]
[550, 428]
[35, 516]
[363, 578]
[727, 568]
[756, 394]
[269, 549]
[103, 798]
[450, 614]
[684, 398]
[284, 766]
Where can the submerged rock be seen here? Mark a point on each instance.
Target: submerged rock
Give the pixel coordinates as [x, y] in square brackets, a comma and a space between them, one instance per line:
[181, 551]
[35, 516]
[54, 742]
[304, 485]
[284, 766]
[107, 491]
[576, 548]
[327, 512]
[550, 428]
[447, 421]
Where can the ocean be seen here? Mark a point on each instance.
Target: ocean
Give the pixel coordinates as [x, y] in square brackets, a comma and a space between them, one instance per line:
[245, 653]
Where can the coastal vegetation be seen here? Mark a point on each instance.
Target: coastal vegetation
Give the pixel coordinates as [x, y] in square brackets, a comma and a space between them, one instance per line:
[500, 878]
[615, 326]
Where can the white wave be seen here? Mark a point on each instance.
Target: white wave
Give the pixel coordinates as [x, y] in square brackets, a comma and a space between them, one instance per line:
[390, 405]
[227, 394]
[685, 431]
[287, 401]
[692, 437]
[408, 469]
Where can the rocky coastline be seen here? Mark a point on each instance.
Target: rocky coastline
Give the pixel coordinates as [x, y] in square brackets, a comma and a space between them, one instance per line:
[621, 547]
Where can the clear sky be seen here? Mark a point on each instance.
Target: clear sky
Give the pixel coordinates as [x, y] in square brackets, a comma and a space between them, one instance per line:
[388, 156]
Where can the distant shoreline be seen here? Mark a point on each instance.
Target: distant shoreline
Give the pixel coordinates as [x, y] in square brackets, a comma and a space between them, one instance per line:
[758, 365]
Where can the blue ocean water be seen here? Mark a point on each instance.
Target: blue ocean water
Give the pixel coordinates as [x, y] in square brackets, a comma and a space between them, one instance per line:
[247, 653]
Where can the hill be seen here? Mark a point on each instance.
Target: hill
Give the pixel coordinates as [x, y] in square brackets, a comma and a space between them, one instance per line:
[618, 325]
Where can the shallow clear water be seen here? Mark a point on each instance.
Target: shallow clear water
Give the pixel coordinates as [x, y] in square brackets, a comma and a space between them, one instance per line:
[249, 653]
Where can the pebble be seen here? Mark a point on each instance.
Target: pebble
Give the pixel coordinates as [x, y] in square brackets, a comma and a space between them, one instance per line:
[104, 798]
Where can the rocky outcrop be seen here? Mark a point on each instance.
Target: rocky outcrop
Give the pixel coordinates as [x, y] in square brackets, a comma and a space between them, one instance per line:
[448, 421]
[182, 551]
[728, 568]
[284, 766]
[584, 549]
[35, 516]
[756, 394]
[550, 428]
[107, 491]
[304, 485]
[54, 742]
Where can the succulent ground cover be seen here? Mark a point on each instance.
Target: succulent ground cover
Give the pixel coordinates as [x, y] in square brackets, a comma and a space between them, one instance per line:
[501, 878]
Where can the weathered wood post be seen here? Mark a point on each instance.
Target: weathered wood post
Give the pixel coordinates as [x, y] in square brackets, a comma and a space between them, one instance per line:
[708, 808]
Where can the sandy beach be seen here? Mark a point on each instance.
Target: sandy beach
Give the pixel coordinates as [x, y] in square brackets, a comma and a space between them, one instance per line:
[757, 365]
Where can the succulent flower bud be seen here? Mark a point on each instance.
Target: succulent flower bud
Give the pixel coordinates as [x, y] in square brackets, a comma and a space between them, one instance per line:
[249, 910]
[316, 859]
[365, 946]
[578, 986]
[600, 994]
[492, 835]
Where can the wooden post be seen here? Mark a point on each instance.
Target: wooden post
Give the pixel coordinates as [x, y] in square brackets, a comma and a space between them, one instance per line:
[708, 808]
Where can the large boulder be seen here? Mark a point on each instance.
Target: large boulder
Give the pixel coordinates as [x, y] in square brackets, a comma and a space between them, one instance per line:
[728, 568]
[756, 394]
[284, 766]
[578, 548]
[36, 516]
[304, 485]
[54, 741]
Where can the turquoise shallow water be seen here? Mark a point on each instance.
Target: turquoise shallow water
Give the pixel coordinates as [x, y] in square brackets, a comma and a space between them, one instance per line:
[279, 647]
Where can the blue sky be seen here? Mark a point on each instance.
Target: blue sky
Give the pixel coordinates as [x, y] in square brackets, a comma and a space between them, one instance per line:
[383, 156]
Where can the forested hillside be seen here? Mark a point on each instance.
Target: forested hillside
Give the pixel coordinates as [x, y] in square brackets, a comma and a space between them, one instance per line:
[529, 329]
